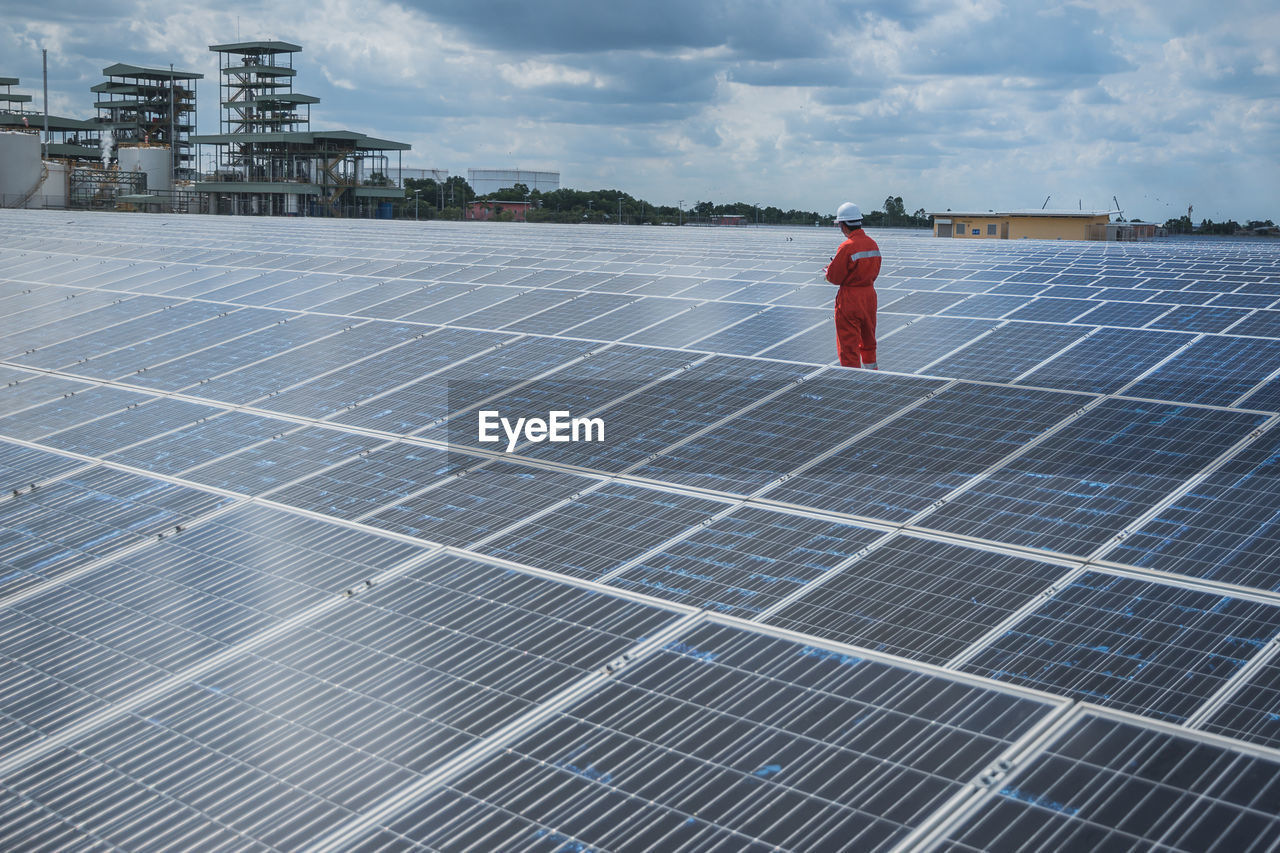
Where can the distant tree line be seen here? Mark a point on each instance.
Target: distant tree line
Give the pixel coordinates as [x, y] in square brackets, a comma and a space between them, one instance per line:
[1183, 225]
[448, 200]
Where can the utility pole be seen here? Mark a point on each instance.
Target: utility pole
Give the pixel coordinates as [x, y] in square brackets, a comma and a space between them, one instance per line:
[680, 215]
[44, 59]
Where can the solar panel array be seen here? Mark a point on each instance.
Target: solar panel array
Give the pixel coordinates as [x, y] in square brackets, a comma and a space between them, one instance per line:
[264, 584]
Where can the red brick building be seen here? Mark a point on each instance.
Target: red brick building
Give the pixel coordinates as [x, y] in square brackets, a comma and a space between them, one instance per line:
[486, 210]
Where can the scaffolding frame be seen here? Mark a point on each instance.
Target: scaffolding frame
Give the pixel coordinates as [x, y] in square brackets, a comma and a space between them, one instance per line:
[269, 162]
[151, 106]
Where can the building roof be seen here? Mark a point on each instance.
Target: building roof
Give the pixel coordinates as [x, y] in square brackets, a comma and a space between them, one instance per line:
[35, 121]
[123, 69]
[303, 137]
[268, 46]
[1028, 212]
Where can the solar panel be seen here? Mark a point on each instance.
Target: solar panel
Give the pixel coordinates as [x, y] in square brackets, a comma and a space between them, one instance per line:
[600, 531]
[137, 423]
[708, 744]
[416, 404]
[1214, 370]
[926, 340]
[1131, 644]
[76, 406]
[657, 417]
[373, 480]
[918, 598]
[1082, 485]
[480, 503]
[1111, 785]
[22, 467]
[64, 525]
[829, 625]
[283, 458]
[745, 562]
[907, 464]
[762, 330]
[702, 320]
[1249, 713]
[1106, 361]
[1200, 318]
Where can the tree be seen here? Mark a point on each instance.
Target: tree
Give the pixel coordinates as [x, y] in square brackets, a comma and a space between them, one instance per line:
[519, 192]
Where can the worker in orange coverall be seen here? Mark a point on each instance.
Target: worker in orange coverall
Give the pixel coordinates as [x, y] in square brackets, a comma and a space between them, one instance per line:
[854, 270]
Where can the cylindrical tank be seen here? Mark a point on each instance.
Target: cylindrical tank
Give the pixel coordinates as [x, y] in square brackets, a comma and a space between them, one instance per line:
[152, 159]
[54, 192]
[20, 172]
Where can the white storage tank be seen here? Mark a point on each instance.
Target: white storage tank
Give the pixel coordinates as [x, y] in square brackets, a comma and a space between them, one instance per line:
[20, 170]
[152, 159]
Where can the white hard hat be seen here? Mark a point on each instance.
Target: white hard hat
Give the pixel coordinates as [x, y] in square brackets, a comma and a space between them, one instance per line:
[849, 212]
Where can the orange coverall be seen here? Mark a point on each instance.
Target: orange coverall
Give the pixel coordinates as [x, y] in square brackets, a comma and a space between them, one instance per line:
[854, 270]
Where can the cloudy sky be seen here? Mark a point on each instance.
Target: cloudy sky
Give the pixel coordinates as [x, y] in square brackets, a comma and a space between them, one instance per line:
[799, 103]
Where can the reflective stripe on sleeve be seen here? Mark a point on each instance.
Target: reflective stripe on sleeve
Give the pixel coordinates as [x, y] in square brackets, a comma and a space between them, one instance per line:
[860, 255]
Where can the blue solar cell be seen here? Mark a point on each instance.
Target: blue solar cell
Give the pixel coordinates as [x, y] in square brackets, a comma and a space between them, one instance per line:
[1132, 314]
[419, 404]
[1250, 712]
[199, 367]
[1263, 324]
[987, 305]
[22, 467]
[77, 407]
[133, 360]
[200, 442]
[702, 320]
[920, 302]
[381, 478]
[672, 410]
[68, 353]
[1017, 288]
[569, 314]
[281, 459]
[331, 352]
[1082, 485]
[112, 432]
[606, 376]
[1266, 398]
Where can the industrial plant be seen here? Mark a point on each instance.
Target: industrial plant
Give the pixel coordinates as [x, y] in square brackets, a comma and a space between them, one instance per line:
[141, 151]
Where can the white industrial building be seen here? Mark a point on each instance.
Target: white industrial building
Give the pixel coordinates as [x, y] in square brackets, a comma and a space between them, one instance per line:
[485, 181]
